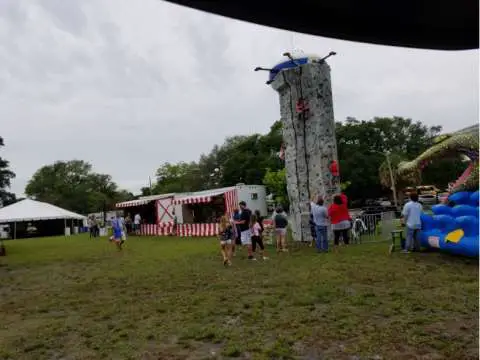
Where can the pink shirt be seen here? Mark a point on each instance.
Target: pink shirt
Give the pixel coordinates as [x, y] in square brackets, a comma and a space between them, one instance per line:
[256, 229]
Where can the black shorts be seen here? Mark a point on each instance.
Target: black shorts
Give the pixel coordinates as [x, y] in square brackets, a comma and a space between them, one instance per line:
[257, 240]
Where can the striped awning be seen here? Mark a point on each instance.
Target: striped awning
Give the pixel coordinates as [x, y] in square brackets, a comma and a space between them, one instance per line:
[196, 198]
[131, 203]
[193, 200]
[143, 200]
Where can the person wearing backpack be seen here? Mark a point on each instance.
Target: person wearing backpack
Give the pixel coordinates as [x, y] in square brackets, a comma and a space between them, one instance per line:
[280, 224]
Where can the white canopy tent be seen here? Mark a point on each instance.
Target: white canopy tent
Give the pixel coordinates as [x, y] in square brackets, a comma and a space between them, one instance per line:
[31, 210]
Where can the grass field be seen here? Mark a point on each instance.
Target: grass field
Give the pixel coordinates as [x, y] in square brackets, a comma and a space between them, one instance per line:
[75, 298]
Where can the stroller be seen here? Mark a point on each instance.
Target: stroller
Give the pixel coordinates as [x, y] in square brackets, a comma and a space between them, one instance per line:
[358, 229]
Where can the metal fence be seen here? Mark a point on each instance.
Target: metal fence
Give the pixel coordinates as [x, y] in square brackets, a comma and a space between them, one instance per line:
[373, 227]
[366, 227]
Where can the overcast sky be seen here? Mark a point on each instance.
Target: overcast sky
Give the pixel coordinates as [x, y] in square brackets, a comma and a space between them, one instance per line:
[128, 85]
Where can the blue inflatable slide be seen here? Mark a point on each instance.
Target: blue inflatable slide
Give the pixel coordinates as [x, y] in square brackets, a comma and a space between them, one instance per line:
[454, 227]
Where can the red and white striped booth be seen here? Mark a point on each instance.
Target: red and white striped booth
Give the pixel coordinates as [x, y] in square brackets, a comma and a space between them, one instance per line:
[164, 205]
[183, 230]
[167, 203]
[205, 229]
[202, 197]
[162, 229]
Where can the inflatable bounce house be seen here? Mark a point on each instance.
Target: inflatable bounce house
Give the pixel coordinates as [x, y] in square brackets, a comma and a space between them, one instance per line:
[453, 227]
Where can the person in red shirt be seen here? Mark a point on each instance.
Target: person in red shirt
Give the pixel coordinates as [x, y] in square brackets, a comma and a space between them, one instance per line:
[334, 171]
[334, 168]
[340, 219]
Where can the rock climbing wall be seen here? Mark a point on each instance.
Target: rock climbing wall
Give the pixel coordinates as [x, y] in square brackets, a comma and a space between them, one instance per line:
[310, 144]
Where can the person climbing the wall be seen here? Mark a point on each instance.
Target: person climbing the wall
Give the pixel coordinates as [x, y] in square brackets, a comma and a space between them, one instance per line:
[334, 172]
[302, 109]
[281, 153]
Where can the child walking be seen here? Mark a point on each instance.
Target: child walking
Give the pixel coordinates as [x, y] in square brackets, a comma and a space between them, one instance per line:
[118, 233]
[226, 236]
[257, 236]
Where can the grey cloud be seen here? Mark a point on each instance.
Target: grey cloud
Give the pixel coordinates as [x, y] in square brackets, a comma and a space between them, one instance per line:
[209, 42]
[128, 85]
[13, 12]
[66, 15]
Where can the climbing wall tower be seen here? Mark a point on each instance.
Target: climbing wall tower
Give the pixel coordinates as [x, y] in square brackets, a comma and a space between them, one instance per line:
[306, 110]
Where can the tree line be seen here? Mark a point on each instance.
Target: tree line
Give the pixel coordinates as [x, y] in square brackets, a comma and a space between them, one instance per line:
[362, 147]
[251, 159]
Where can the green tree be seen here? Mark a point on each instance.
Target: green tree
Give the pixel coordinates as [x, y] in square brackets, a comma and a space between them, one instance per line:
[276, 183]
[239, 159]
[362, 144]
[145, 191]
[181, 177]
[247, 158]
[6, 176]
[123, 195]
[385, 176]
[72, 185]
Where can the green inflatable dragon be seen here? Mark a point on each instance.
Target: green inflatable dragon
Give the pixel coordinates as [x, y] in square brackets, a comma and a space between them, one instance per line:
[462, 143]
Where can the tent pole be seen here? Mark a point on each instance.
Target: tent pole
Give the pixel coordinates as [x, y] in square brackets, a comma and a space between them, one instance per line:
[14, 230]
[65, 227]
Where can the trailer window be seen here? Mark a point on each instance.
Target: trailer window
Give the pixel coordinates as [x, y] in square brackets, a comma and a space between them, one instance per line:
[254, 196]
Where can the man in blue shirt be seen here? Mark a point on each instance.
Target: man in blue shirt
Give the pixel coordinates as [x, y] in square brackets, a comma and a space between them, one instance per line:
[117, 229]
[411, 217]
[320, 219]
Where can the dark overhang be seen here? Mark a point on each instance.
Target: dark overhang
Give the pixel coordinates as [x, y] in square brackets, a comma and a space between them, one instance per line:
[422, 24]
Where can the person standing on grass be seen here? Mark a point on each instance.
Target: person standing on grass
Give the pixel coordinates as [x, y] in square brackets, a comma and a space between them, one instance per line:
[411, 214]
[340, 219]
[237, 241]
[123, 227]
[90, 227]
[95, 228]
[280, 224]
[128, 224]
[175, 224]
[117, 229]
[137, 219]
[311, 223]
[244, 227]
[260, 222]
[226, 236]
[257, 236]
[320, 219]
